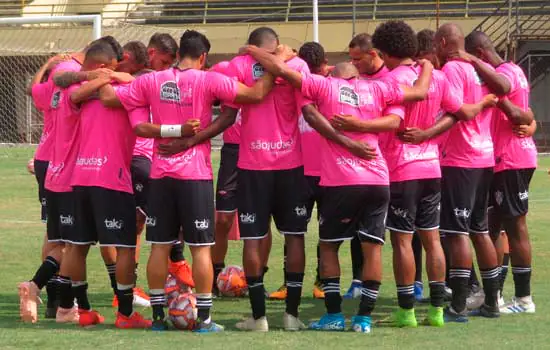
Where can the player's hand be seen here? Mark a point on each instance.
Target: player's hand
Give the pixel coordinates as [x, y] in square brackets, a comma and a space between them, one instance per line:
[100, 73]
[362, 150]
[175, 146]
[244, 50]
[191, 128]
[346, 122]
[463, 56]
[122, 78]
[425, 64]
[490, 100]
[285, 52]
[55, 60]
[30, 166]
[413, 135]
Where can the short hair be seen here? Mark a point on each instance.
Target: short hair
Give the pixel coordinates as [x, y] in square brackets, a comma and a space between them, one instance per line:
[478, 39]
[396, 39]
[164, 43]
[115, 45]
[262, 35]
[138, 51]
[100, 52]
[425, 39]
[363, 41]
[313, 54]
[193, 44]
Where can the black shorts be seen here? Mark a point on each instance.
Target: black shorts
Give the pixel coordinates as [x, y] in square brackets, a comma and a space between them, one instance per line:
[282, 194]
[510, 192]
[61, 211]
[464, 200]
[105, 216]
[40, 169]
[354, 211]
[140, 170]
[414, 205]
[315, 194]
[226, 187]
[188, 204]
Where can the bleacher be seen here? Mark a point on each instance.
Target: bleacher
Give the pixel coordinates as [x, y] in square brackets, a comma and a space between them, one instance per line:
[11, 8]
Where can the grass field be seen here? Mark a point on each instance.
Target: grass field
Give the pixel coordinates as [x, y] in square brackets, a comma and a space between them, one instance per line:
[21, 235]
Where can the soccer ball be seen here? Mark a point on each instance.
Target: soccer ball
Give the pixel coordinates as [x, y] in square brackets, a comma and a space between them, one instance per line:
[231, 282]
[172, 288]
[183, 311]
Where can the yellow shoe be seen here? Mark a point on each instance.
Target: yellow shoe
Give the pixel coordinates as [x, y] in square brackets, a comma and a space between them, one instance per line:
[280, 294]
[318, 291]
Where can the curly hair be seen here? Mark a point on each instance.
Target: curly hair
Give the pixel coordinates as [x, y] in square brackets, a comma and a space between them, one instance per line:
[395, 39]
[313, 54]
[425, 40]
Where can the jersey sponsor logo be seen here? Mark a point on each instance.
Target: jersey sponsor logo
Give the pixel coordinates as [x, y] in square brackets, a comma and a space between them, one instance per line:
[399, 212]
[261, 145]
[54, 103]
[257, 71]
[202, 225]
[181, 159]
[419, 155]
[523, 196]
[151, 221]
[247, 218]
[301, 211]
[114, 224]
[66, 220]
[352, 162]
[91, 161]
[485, 146]
[170, 92]
[527, 144]
[462, 213]
[499, 197]
[348, 96]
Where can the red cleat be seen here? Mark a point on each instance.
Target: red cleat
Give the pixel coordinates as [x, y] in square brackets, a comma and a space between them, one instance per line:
[89, 318]
[182, 272]
[135, 321]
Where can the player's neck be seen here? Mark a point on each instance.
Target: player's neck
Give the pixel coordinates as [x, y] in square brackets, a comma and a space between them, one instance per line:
[406, 62]
[378, 65]
[188, 63]
[494, 60]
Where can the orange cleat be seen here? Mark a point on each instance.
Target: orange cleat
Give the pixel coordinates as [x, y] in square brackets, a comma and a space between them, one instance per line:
[89, 318]
[279, 294]
[318, 291]
[28, 301]
[182, 272]
[135, 321]
[67, 315]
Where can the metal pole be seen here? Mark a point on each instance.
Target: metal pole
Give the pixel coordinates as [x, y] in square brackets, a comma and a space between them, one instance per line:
[437, 13]
[94, 19]
[508, 29]
[315, 21]
[354, 16]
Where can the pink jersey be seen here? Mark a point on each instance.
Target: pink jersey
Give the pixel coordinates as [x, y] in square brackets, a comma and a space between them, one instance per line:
[379, 74]
[175, 96]
[469, 143]
[233, 133]
[512, 152]
[310, 141]
[144, 146]
[66, 141]
[412, 162]
[106, 145]
[270, 138]
[360, 98]
[41, 95]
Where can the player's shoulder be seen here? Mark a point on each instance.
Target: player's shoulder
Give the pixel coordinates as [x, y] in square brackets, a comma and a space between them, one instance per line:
[298, 64]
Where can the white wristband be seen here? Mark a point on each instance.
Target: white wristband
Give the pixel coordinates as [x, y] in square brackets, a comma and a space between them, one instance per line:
[170, 131]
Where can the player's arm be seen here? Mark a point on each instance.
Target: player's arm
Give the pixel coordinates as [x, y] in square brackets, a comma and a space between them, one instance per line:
[417, 135]
[419, 91]
[350, 123]
[516, 115]
[87, 90]
[275, 64]
[37, 78]
[497, 83]
[469, 111]
[108, 96]
[150, 130]
[256, 93]
[66, 79]
[525, 130]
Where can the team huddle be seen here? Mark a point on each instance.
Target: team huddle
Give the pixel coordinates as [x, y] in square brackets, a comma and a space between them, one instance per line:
[427, 135]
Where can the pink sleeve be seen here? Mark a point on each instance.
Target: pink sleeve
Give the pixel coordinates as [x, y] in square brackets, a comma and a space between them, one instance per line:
[508, 75]
[397, 110]
[135, 94]
[70, 90]
[139, 116]
[391, 97]
[449, 102]
[221, 87]
[315, 87]
[41, 95]
[456, 84]
[301, 101]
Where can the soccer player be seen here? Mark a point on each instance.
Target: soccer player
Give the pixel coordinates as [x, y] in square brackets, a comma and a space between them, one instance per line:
[415, 174]
[516, 161]
[271, 183]
[181, 192]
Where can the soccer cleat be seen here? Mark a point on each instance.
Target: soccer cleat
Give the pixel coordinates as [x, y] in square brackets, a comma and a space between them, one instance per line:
[448, 296]
[135, 321]
[182, 272]
[67, 315]
[354, 291]
[210, 327]
[279, 294]
[485, 311]
[251, 324]
[159, 325]
[141, 299]
[434, 317]
[318, 291]
[418, 291]
[476, 299]
[329, 322]
[403, 318]
[519, 305]
[361, 324]
[89, 318]
[450, 315]
[28, 301]
[291, 323]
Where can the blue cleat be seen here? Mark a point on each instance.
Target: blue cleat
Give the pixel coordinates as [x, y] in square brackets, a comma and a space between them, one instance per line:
[361, 324]
[485, 311]
[159, 325]
[451, 315]
[329, 322]
[418, 291]
[354, 291]
[211, 327]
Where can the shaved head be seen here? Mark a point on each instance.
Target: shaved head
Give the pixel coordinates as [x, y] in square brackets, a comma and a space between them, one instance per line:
[449, 38]
[345, 70]
[478, 40]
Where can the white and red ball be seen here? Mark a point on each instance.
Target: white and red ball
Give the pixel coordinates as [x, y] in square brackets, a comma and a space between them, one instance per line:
[232, 282]
[182, 311]
[172, 288]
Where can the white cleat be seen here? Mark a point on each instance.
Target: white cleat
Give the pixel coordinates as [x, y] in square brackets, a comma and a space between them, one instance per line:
[501, 301]
[250, 324]
[519, 305]
[291, 323]
[475, 300]
[140, 301]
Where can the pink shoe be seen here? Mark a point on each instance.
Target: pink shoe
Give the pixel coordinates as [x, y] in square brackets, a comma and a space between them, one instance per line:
[67, 315]
[28, 301]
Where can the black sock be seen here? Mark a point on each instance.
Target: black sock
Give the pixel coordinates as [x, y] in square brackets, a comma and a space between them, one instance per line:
[318, 275]
[417, 250]
[51, 290]
[437, 293]
[356, 259]
[491, 285]
[204, 304]
[111, 270]
[504, 270]
[66, 297]
[522, 280]
[217, 269]
[405, 296]
[458, 281]
[333, 299]
[45, 272]
[473, 281]
[256, 294]
[284, 264]
[80, 292]
[369, 294]
[176, 253]
[125, 295]
[294, 283]
[158, 302]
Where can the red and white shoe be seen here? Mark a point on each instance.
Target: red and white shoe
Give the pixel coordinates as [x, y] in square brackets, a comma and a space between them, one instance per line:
[89, 318]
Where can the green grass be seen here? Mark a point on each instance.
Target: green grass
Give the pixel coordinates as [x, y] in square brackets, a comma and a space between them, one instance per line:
[21, 237]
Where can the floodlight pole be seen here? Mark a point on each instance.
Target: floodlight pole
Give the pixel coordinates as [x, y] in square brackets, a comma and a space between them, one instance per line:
[94, 19]
[315, 21]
